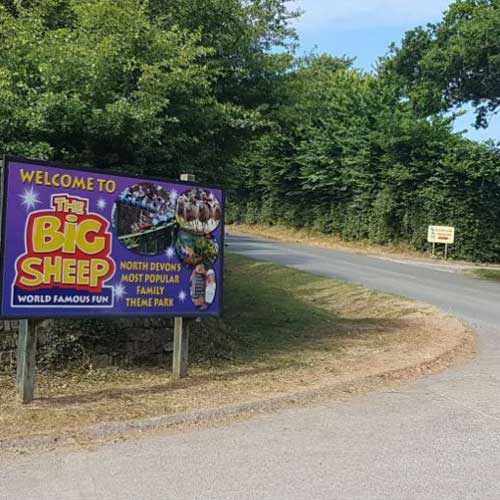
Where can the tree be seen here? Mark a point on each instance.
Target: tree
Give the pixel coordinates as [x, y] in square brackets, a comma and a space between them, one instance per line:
[453, 62]
[99, 91]
[155, 87]
[244, 36]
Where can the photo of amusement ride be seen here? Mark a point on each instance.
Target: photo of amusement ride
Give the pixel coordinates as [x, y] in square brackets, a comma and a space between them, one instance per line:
[144, 218]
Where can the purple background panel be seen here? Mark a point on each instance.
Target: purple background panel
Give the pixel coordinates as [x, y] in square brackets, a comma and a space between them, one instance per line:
[20, 199]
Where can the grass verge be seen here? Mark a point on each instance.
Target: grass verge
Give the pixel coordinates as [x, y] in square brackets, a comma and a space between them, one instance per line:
[283, 330]
[486, 274]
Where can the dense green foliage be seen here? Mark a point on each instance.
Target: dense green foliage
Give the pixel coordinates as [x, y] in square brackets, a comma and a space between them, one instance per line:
[346, 155]
[371, 156]
[455, 61]
[155, 86]
[212, 87]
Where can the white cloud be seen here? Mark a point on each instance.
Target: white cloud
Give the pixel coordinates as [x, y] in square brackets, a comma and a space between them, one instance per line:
[318, 12]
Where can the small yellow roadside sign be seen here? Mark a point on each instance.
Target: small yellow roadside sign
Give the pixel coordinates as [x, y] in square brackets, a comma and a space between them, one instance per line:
[441, 234]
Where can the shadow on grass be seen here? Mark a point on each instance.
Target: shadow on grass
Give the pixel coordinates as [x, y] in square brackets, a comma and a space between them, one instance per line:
[272, 309]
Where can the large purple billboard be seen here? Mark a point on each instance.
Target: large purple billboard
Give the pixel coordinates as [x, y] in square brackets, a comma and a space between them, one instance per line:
[83, 243]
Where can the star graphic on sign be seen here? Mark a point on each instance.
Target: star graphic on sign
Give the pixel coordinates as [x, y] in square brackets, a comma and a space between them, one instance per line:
[182, 295]
[170, 252]
[29, 199]
[101, 203]
[120, 291]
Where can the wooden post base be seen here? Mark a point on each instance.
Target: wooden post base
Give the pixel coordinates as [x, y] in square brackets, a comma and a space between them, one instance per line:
[26, 361]
[181, 348]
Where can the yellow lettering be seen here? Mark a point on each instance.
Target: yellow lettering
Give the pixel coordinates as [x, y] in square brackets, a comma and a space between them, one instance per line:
[46, 235]
[52, 270]
[79, 183]
[86, 228]
[83, 272]
[98, 269]
[65, 181]
[69, 271]
[70, 229]
[27, 176]
[31, 277]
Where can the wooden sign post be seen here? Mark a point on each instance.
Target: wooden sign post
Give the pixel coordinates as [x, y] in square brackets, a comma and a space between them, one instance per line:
[180, 359]
[26, 360]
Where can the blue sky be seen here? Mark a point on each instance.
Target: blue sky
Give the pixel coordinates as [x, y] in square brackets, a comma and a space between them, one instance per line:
[365, 28]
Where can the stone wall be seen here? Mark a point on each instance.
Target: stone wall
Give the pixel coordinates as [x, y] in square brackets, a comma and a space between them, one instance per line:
[144, 341]
[8, 344]
[141, 341]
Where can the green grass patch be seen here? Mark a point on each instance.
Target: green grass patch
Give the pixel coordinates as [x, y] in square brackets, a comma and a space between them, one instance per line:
[486, 274]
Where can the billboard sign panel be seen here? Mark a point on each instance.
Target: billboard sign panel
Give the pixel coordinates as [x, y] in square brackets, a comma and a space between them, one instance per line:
[82, 243]
[441, 234]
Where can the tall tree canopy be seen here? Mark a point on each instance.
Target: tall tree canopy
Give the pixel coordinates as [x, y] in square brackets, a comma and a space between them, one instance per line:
[154, 86]
[345, 154]
[455, 61]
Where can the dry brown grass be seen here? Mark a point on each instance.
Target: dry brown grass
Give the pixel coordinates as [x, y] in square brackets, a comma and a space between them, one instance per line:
[291, 330]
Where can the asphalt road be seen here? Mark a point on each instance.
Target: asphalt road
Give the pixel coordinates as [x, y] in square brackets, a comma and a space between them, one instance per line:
[435, 439]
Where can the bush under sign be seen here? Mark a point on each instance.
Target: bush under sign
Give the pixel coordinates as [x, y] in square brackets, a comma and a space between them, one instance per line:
[82, 243]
